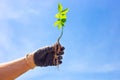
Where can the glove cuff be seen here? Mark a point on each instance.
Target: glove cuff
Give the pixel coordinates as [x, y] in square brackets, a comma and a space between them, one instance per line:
[30, 60]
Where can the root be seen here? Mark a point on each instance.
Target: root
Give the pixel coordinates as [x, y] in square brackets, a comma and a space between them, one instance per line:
[57, 49]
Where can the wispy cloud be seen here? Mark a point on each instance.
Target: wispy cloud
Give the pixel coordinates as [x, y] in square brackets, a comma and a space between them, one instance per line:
[7, 11]
[88, 67]
[94, 57]
[9, 49]
[24, 11]
[5, 40]
[21, 10]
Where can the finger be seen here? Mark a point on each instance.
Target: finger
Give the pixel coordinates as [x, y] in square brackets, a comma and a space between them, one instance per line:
[62, 48]
[60, 62]
[60, 53]
[59, 57]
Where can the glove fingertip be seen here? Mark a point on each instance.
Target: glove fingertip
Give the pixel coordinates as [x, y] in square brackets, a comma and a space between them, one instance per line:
[60, 62]
[62, 48]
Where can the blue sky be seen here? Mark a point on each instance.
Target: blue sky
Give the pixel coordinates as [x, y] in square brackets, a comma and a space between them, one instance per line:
[91, 37]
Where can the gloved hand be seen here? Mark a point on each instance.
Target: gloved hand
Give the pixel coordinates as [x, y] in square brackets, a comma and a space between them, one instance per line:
[49, 56]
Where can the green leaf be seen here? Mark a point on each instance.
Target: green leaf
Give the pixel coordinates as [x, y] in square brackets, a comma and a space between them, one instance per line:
[60, 23]
[63, 20]
[60, 7]
[65, 11]
[57, 23]
[57, 15]
[63, 24]
[63, 16]
[59, 26]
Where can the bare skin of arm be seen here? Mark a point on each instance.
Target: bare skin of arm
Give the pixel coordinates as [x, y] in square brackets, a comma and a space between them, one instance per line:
[13, 69]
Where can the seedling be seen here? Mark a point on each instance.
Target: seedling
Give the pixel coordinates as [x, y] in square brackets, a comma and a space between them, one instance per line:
[60, 23]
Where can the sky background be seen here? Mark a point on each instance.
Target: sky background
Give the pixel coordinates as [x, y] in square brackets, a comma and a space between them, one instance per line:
[91, 37]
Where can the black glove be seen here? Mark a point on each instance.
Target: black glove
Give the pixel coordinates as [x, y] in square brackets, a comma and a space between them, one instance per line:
[49, 56]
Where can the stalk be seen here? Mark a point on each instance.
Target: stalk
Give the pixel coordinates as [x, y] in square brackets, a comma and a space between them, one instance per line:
[60, 36]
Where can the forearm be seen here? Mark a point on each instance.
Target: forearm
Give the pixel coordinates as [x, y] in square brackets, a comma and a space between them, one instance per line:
[11, 70]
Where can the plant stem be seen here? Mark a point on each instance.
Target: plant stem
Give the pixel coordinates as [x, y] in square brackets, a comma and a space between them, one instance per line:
[58, 40]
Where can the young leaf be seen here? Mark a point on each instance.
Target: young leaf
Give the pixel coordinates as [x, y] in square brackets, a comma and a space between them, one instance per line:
[59, 26]
[63, 24]
[57, 23]
[60, 7]
[63, 20]
[61, 16]
[57, 15]
[65, 11]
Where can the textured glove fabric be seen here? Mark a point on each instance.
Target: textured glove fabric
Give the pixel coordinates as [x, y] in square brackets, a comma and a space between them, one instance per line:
[49, 56]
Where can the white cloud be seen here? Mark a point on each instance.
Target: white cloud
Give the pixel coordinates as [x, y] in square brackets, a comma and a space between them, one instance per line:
[9, 49]
[85, 67]
[5, 41]
[7, 11]
[21, 10]
[5, 34]
[92, 58]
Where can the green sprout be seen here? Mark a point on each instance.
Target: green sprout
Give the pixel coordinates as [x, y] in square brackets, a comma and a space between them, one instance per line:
[61, 19]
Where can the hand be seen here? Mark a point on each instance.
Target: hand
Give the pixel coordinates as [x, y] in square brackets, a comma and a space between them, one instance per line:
[49, 56]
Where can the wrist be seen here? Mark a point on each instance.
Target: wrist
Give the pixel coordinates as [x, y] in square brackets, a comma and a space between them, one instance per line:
[30, 60]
